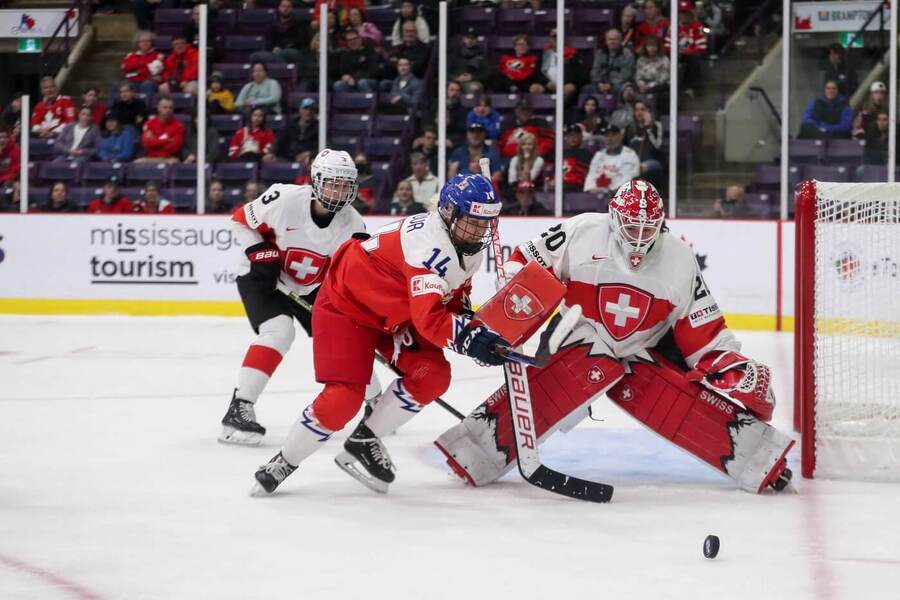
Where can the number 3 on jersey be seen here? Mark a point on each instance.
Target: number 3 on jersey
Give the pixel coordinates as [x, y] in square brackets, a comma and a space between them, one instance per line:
[438, 266]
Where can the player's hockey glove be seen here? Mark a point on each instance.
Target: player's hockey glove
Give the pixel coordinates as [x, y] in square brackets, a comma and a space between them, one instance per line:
[739, 378]
[265, 262]
[480, 343]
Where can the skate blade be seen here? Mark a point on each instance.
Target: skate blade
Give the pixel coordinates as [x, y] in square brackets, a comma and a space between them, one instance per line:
[235, 437]
[348, 465]
[258, 491]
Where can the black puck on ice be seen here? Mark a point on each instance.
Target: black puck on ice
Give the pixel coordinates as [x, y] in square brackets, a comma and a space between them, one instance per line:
[711, 546]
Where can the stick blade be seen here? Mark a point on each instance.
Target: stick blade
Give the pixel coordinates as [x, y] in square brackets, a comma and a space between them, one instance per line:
[573, 487]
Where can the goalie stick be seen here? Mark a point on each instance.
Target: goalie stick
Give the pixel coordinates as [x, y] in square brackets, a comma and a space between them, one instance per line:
[522, 414]
[302, 303]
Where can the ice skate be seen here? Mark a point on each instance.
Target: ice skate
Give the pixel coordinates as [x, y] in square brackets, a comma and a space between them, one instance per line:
[364, 449]
[239, 424]
[270, 475]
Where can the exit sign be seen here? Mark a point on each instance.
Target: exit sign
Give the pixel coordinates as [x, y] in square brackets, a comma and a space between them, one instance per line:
[29, 45]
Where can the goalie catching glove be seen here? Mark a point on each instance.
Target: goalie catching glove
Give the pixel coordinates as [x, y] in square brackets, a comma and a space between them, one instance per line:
[738, 378]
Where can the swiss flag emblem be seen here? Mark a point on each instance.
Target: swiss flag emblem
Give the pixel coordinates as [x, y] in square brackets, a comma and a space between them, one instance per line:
[623, 309]
[521, 304]
[304, 266]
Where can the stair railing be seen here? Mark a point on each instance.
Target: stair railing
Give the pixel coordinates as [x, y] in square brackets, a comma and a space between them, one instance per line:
[55, 53]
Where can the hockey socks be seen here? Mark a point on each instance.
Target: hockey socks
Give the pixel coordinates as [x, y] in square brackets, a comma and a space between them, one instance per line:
[394, 408]
[305, 437]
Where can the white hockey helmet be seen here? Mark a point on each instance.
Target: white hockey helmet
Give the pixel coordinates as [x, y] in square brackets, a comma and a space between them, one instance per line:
[334, 179]
[636, 217]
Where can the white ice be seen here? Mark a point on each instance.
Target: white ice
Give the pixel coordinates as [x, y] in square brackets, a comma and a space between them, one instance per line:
[112, 485]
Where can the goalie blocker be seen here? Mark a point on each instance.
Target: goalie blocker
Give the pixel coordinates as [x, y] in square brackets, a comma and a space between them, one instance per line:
[713, 428]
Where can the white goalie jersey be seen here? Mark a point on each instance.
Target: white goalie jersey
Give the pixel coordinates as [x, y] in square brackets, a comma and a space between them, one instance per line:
[283, 215]
[627, 310]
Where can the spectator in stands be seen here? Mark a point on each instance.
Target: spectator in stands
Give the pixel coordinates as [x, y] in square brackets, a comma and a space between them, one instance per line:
[369, 32]
[79, 140]
[653, 70]
[308, 67]
[523, 120]
[733, 205]
[520, 71]
[405, 91]
[692, 46]
[357, 65]
[12, 116]
[459, 158]
[129, 108]
[412, 48]
[468, 63]
[58, 201]
[526, 165]
[426, 144]
[180, 73]
[53, 112]
[876, 151]
[215, 198]
[144, 66]
[213, 145]
[524, 204]
[645, 136]
[118, 143]
[837, 70]
[867, 115]
[262, 91]
[250, 192]
[409, 13]
[301, 136]
[624, 115]
[483, 112]
[288, 37]
[591, 120]
[110, 200]
[11, 197]
[573, 74]
[337, 10]
[404, 202]
[254, 140]
[424, 184]
[613, 166]
[710, 14]
[151, 202]
[163, 135]
[827, 117]
[654, 23]
[91, 99]
[628, 26]
[191, 29]
[576, 159]
[10, 157]
[614, 65]
[219, 99]
[368, 184]
[456, 116]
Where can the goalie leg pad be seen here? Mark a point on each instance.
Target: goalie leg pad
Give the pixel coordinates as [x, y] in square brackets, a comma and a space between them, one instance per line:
[482, 447]
[716, 430]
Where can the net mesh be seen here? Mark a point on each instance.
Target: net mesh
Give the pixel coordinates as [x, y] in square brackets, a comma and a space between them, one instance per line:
[857, 312]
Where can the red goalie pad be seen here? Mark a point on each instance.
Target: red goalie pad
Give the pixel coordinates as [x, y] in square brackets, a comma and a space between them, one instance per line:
[519, 309]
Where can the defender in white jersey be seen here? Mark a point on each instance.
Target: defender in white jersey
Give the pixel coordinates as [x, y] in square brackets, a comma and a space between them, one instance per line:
[651, 337]
[288, 235]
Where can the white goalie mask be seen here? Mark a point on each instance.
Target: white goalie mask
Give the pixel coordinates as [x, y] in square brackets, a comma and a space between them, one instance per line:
[334, 179]
[636, 216]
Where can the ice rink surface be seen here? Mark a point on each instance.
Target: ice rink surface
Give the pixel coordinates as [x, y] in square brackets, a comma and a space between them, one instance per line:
[113, 486]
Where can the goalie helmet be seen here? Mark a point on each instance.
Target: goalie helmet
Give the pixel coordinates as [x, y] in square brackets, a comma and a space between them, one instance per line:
[636, 216]
[470, 209]
[334, 179]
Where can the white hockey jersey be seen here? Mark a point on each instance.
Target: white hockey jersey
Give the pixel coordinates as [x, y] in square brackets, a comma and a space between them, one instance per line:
[608, 171]
[283, 215]
[626, 311]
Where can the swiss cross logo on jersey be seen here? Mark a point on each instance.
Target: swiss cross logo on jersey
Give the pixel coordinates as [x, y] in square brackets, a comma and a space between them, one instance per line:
[627, 394]
[521, 304]
[304, 266]
[595, 374]
[623, 309]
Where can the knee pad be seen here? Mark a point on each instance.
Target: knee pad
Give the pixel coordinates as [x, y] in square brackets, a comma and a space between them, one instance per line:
[426, 378]
[277, 333]
[337, 403]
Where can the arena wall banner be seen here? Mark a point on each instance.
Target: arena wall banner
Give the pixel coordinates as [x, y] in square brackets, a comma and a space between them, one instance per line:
[37, 22]
[167, 265]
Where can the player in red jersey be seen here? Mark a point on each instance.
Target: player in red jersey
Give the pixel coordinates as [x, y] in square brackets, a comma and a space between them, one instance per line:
[404, 294]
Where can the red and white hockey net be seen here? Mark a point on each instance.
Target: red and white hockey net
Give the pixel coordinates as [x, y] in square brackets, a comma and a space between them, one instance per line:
[847, 342]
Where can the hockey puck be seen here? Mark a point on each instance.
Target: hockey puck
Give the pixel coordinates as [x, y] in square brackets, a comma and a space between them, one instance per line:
[711, 546]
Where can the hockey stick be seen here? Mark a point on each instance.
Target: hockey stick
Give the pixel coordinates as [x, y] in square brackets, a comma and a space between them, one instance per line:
[522, 413]
[303, 304]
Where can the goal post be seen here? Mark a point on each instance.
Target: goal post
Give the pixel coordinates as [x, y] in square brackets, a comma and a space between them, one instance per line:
[847, 329]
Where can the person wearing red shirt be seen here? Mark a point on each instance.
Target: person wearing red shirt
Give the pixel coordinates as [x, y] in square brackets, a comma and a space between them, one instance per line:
[692, 45]
[144, 67]
[654, 24]
[342, 7]
[110, 200]
[180, 73]
[163, 134]
[152, 203]
[53, 112]
[91, 99]
[10, 158]
[521, 70]
[253, 141]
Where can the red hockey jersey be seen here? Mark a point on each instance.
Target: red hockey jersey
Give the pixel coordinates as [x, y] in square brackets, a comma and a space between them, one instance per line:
[518, 68]
[136, 66]
[163, 140]
[185, 62]
[691, 39]
[10, 161]
[120, 205]
[251, 141]
[54, 115]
